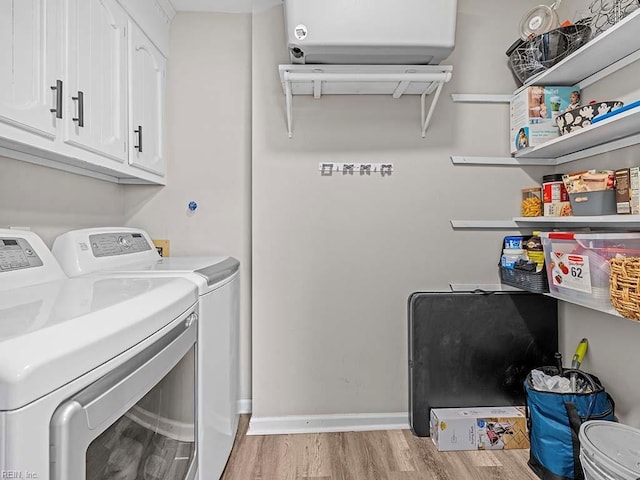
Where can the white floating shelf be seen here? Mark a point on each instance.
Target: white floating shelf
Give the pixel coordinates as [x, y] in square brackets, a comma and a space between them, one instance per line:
[518, 162]
[598, 221]
[527, 223]
[485, 224]
[487, 287]
[394, 80]
[616, 43]
[610, 311]
[616, 132]
[480, 98]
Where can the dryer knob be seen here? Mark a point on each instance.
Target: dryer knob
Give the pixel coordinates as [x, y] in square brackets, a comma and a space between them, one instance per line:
[124, 242]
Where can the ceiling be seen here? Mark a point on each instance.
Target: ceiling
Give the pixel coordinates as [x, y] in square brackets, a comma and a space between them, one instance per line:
[225, 6]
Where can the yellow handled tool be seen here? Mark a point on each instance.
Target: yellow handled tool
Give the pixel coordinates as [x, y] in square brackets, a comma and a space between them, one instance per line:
[581, 351]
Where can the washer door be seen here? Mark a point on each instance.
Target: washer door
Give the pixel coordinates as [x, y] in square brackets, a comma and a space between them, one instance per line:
[136, 423]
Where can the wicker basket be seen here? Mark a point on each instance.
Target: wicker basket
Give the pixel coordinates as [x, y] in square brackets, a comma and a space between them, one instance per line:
[624, 286]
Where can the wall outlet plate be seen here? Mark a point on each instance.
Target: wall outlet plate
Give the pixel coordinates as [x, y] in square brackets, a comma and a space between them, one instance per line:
[162, 246]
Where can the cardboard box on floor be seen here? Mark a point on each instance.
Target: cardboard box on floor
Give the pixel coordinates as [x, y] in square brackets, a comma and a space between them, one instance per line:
[482, 428]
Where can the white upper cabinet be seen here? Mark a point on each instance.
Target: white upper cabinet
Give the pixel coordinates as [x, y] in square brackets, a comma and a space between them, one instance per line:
[147, 69]
[30, 65]
[82, 84]
[96, 72]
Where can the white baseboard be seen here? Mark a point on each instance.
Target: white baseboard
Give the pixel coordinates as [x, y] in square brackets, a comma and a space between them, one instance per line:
[356, 422]
[244, 405]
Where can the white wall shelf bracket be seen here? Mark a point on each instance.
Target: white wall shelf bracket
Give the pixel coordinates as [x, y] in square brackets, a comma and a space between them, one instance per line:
[426, 119]
[394, 80]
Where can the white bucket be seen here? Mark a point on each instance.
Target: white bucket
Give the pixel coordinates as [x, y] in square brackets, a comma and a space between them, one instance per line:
[609, 451]
[592, 471]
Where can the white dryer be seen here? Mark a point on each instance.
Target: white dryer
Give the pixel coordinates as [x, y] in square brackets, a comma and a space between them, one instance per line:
[122, 250]
[89, 371]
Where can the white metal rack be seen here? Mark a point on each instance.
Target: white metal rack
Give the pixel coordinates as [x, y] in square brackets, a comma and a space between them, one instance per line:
[395, 80]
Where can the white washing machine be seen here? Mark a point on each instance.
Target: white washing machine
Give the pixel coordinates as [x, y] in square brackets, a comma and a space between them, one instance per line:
[89, 371]
[120, 251]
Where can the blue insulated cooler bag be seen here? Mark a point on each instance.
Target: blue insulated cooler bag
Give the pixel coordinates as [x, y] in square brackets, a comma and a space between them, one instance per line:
[554, 421]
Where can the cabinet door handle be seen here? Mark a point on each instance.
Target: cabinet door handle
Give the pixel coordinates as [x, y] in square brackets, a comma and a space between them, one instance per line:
[58, 89]
[139, 132]
[80, 117]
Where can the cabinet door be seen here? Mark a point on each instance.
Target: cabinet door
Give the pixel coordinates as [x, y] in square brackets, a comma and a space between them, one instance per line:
[96, 92]
[30, 63]
[146, 102]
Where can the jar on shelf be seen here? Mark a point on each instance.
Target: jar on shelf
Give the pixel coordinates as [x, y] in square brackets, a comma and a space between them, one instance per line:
[535, 251]
[511, 256]
[531, 205]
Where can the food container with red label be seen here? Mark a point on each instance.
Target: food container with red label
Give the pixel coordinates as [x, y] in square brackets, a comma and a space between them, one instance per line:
[555, 198]
[578, 264]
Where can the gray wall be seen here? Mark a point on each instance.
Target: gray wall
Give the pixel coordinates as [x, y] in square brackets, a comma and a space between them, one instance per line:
[51, 202]
[335, 258]
[209, 152]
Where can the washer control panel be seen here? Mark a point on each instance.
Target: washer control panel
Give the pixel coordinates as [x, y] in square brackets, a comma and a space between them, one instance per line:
[16, 253]
[112, 244]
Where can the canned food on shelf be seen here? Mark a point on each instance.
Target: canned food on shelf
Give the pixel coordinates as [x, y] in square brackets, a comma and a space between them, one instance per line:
[555, 197]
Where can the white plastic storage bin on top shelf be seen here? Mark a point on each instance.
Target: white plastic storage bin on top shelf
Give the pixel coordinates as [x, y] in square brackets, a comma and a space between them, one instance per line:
[578, 264]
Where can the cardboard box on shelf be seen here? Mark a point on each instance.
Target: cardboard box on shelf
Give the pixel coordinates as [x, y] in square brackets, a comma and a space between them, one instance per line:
[634, 189]
[481, 428]
[533, 114]
[623, 191]
[628, 191]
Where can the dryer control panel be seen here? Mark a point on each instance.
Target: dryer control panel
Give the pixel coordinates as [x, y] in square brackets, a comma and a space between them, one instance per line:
[16, 253]
[111, 244]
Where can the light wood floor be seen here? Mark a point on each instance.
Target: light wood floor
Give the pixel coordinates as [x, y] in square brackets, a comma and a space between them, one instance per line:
[381, 455]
